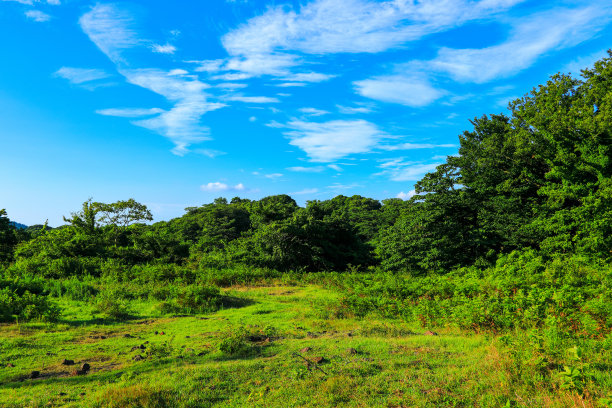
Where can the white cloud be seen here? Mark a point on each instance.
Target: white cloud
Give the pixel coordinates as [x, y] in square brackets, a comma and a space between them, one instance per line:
[262, 64]
[333, 26]
[414, 146]
[178, 72]
[305, 191]
[232, 77]
[334, 167]
[274, 43]
[252, 119]
[252, 99]
[208, 65]
[341, 187]
[406, 196]
[129, 112]
[218, 186]
[415, 172]
[399, 170]
[181, 123]
[163, 49]
[273, 176]
[81, 75]
[110, 29]
[230, 85]
[313, 111]
[37, 16]
[410, 91]
[307, 77]
[329, 141]
[350, 110]
[290, 84]
[300, 169]
[209, 152]
[531, 38]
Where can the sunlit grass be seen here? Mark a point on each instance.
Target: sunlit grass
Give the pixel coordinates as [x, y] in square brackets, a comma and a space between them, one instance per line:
[367, 362]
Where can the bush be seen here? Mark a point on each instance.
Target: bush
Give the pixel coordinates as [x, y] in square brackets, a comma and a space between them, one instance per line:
[112, 304]
[189, 300]
[26, 306]
[522, 290]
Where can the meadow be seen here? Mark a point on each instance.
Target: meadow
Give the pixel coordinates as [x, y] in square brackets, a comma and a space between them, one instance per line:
[284, 340]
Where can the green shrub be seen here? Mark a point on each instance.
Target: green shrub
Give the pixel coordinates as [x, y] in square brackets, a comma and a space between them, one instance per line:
[190, 299]
[112, 304]
[26, 306]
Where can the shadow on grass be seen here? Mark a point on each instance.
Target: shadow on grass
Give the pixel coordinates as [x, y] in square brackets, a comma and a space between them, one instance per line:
[232, 302]
[226, 302]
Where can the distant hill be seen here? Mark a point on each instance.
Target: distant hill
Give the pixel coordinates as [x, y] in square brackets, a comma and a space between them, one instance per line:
[18, 225]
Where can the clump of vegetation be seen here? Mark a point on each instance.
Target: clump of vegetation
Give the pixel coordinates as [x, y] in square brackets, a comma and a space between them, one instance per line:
[112, 304]
[245, 341]
[191, 299]
[24, 299]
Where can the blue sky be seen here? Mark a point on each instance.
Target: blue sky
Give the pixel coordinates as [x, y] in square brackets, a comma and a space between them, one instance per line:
[176, 103]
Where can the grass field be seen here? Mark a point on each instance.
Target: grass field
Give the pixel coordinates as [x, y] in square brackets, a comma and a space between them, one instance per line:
[271, 346]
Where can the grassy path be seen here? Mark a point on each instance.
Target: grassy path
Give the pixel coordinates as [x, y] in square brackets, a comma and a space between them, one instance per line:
[263, 354]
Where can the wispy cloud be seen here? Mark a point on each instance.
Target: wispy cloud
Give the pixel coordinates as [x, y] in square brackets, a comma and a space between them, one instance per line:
[163, 49]
[343, 187]
[209, 152]
[208, 65]
[218, 187]
[230, 85]
[356, 26]
[37, 16]
[275, 42]
[81, 75]
[531, 38]
[305, 191]
[307, 77]
[414, 146]
[291, 84]
[351, 110]
[399, 170]
[330, 141]
[111, 29]
[414, 91]
[129, 112]
[313, 111]
[301, 169]
[252, 99]
[181, 123]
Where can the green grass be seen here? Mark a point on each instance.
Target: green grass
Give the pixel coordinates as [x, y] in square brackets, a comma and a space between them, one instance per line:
[251, 355]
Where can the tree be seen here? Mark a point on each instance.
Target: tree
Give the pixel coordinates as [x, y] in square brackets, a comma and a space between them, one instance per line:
[8, 238]
[123, 213]
[85, 220]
